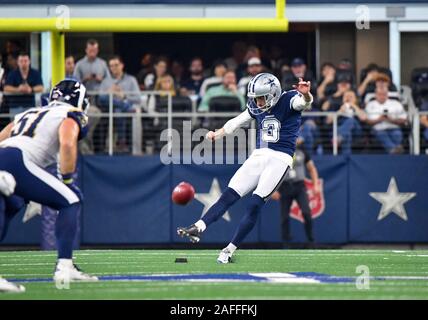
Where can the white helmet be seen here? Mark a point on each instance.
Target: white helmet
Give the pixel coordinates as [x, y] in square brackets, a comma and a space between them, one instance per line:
[263, 85]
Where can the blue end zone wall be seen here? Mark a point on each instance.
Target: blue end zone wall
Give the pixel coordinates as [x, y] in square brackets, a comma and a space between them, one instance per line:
[128, 201]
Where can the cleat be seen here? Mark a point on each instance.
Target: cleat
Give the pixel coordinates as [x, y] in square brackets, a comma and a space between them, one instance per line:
[67, 271]
[192, 232]
[6, 286]
[225, 256]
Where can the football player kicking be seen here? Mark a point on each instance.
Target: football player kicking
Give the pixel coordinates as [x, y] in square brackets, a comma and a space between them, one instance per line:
[36, 139]
[278, 117]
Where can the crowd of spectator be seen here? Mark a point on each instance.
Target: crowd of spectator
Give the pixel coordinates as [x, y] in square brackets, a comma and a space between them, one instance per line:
[369, 111]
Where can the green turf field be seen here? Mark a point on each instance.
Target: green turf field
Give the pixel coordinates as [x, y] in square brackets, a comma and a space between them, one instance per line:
[394, 274]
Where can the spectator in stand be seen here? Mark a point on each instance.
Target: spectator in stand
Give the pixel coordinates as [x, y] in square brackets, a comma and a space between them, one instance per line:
[165, 84]
[298, 69]
[126, 96]
[177, 71]
[345, 66]
[276, 60]
[160, 69]
[333, 103]
[192, 85]
[252, 52]
[146, 68]
[69, 66]
[10, 55]
[11, 64]
[386, 117]
[368, 80]
[220, 69]
[254, 66]
[22, 84]
[383, 81]
[239, 49]
[327, 86]
[349, 127]
[228, 88]
[91, 70]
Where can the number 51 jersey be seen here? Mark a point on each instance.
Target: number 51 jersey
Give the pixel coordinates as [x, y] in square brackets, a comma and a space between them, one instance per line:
[35, 131]
[278, 128]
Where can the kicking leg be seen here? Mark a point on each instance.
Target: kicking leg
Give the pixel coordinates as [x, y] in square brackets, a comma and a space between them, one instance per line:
[270, 179]
[244, 180]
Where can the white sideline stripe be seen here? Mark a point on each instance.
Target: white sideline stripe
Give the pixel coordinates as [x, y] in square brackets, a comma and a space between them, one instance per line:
[51, 181]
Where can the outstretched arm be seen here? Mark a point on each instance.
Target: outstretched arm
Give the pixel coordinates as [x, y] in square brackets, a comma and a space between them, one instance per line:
[230, 126]
[304, 100]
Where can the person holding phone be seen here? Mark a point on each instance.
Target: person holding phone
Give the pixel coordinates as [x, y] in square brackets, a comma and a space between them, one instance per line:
[91, 70]
[386, 117]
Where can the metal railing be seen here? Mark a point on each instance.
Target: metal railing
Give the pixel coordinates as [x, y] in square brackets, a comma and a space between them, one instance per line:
[144, 125]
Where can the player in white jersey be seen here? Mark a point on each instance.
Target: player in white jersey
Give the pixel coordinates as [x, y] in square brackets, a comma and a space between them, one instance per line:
[36, 139]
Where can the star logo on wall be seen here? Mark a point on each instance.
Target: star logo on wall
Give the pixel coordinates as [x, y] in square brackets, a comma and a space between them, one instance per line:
[392, 201]
[208, 199]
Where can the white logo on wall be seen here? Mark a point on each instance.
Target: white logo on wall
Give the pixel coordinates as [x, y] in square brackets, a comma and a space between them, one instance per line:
[362, 21]
[62, 21]
[392, 201]
[208, 199]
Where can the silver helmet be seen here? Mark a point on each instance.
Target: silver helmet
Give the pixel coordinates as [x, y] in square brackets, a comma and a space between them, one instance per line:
[263, 85]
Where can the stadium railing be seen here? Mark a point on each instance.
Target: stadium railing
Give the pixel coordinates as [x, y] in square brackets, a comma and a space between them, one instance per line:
[152, 124]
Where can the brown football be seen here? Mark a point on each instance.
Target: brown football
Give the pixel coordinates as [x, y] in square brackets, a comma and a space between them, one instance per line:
[183, 193]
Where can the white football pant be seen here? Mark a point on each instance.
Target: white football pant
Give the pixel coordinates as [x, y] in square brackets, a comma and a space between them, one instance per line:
[262, 172]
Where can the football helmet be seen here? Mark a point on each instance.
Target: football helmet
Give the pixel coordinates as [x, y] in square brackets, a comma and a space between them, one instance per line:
[72, 92]
[263, 85]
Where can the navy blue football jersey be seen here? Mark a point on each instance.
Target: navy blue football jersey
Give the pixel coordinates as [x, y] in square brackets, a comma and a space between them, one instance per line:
[278, 128]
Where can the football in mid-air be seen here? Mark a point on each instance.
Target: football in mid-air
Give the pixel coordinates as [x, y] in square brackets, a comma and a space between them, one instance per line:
[183, 193]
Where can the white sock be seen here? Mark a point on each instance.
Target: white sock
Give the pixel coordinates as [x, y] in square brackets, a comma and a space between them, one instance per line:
[201, 225]
[65, 262]
[231, 247]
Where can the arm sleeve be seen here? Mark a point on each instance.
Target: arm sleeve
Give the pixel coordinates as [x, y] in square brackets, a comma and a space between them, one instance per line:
[298, 102]
[81, 120]
[237, 122]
